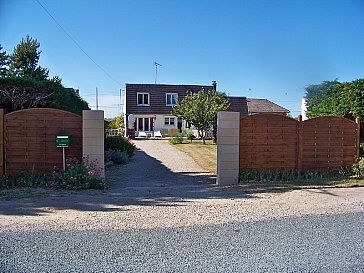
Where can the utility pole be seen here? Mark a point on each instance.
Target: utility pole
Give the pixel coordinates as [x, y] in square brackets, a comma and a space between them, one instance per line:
[97, 99]
[121, 104]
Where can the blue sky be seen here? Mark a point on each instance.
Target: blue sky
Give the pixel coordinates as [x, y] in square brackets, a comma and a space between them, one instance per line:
[261, 49]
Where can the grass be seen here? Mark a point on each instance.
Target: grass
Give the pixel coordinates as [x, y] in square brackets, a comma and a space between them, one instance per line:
[203, 154]
[278, 186]
[205, 157]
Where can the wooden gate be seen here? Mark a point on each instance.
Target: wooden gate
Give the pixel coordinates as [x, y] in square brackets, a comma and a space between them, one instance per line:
[29, 139]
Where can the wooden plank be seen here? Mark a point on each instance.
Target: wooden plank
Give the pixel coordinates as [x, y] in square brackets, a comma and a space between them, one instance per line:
[2, 150]
[30, 138]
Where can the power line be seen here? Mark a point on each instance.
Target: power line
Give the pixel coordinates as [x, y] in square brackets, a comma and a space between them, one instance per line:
[76, 43]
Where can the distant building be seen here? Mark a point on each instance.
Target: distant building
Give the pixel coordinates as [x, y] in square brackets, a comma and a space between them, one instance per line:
[259, 106]
[304, 109]
[148, 107]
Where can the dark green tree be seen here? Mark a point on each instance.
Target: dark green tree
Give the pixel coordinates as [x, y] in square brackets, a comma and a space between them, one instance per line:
[4, 62]
[25, 58]
[18, 93]
[337, 99]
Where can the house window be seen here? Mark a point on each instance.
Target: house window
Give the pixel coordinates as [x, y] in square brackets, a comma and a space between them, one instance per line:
[171, 99]
[168, 121]
[143, 99]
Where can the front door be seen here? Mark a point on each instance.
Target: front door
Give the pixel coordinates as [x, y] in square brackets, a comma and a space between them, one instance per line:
[145, 124]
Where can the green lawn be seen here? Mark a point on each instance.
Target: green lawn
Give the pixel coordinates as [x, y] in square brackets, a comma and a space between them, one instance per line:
[203, 154]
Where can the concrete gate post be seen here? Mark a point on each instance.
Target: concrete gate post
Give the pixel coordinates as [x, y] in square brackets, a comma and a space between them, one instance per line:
[228, 130]
[93, 137]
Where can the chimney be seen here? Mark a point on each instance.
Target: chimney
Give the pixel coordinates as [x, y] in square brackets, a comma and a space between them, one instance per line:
[214, 85]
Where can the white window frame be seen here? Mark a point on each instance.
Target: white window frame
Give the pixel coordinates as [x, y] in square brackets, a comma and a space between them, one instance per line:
[143, 104]
[169, 121]
[171, 94]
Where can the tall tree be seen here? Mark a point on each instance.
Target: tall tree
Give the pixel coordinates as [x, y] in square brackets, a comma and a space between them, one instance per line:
[4, 62]
[200, 110]
[337, 99]
[25, 58]
[220, 102]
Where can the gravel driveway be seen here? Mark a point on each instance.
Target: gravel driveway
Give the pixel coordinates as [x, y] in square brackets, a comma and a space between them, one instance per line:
[163, 213]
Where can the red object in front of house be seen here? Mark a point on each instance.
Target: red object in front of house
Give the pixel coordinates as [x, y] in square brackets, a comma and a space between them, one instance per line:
[130, 133]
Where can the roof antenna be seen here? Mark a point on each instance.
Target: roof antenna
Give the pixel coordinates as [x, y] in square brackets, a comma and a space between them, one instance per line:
[156, 71]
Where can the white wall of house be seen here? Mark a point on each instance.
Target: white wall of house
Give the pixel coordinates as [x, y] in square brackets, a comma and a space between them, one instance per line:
[160, 122]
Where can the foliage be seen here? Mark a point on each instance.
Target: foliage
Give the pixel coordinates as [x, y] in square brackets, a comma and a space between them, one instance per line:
[177, 139]
[120, 144]
[190, 136]
[23, 93]
[116, 123]
[24, 180]
[25, 58]
[220, 102]
[119, 157]
[337, 99]
[66, 99]
[78, 176]
[358, 168]
[200, 109]
[4, 62]
[270, 176]
[25, 84]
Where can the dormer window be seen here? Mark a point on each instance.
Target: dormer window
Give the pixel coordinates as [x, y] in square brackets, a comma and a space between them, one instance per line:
[171, 99]
[143, 99]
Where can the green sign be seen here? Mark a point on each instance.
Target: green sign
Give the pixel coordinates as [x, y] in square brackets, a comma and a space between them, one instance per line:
[62, 141]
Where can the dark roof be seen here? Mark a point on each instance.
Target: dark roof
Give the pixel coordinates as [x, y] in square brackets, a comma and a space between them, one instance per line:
[157, 96]
[238, 104]
[264, 106]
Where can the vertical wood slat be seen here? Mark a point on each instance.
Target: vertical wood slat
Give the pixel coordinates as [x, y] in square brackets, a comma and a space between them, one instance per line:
[299, 143]
[2, 155]
[357, 120]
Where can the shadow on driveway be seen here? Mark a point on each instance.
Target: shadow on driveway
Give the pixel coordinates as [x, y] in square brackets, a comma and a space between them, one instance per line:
[145, 181]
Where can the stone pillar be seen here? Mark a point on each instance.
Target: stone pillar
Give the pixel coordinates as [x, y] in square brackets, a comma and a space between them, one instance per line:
[93, 137]
[228, 124]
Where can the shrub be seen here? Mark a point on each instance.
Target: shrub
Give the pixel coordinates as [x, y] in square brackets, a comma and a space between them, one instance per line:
[190, 136]
[119, 144]
[78, 175]
[358, 168]
[178, 139]
[119, 157]
[24, 180]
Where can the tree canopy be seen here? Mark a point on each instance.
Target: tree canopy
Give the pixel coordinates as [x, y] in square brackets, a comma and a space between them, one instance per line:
[25, 84]
[23, 93]
[335, 98]
[200, 110]
[4, 62]
[25, 58]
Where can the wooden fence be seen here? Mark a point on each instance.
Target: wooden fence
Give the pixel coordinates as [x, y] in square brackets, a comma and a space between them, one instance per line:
[29, 139]
[278, 143]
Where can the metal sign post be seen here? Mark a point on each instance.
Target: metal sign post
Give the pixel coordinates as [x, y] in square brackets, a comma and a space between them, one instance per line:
[63, 141]
[64, 159]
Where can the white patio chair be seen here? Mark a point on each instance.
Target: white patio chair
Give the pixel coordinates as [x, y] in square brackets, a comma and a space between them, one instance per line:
[142, 134]
[157, 134]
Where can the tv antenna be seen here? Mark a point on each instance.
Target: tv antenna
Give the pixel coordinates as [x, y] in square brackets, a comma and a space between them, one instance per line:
[156, 71]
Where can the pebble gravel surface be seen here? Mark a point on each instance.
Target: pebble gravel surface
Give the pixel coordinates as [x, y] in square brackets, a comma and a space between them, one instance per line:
[163, 213]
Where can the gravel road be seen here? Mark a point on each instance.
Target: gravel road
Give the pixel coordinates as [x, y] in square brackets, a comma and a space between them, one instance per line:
[164, 214]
